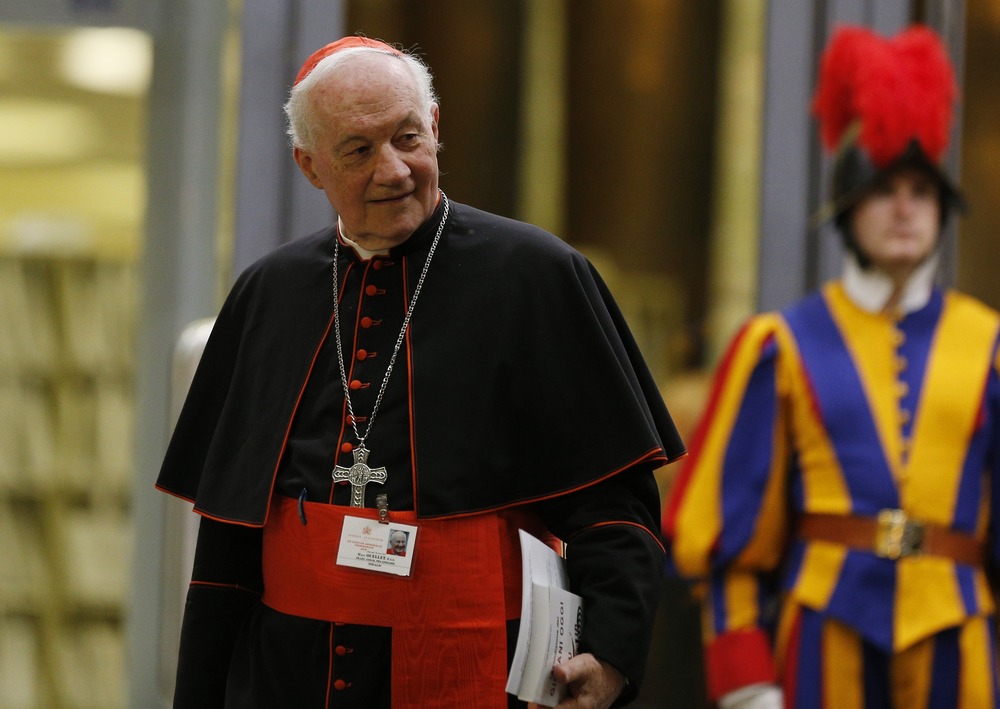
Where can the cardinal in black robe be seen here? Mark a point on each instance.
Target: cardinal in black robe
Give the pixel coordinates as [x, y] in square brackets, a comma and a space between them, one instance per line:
[489, 376]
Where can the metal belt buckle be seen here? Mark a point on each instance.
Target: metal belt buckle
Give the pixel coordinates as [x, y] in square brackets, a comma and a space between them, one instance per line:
[897, 535]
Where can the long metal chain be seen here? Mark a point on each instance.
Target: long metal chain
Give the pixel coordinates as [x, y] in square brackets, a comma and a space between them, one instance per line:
[402, 330]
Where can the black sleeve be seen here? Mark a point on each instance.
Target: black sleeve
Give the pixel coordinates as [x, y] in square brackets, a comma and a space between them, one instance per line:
[226, 583]
[615, 562]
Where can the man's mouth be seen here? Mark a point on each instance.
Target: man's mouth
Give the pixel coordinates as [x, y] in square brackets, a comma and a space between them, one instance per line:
[393, 199]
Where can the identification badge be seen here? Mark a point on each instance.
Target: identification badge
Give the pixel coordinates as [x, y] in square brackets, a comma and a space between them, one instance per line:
[386, 548]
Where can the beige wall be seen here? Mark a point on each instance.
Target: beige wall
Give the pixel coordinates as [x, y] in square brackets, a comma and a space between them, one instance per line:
[979, 230]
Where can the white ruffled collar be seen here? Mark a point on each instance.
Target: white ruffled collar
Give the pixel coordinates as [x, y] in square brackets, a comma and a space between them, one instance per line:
[871, 289]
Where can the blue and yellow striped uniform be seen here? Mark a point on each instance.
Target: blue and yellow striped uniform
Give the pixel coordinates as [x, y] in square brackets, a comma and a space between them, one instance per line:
[828, 408]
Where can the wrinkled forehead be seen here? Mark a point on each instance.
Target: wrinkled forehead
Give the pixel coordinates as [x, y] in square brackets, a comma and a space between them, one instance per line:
[356, 68]
[366, 87]
[367, 94]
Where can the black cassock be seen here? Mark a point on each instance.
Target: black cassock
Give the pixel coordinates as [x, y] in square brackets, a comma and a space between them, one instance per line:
[518, 383]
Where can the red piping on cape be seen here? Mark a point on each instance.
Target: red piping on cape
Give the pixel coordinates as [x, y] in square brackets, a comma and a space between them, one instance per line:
[618, 523]
[295, 410]
[281, 451]
[655, 455]
[409, 396]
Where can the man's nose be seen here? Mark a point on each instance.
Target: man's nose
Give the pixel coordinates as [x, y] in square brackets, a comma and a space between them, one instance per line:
[390, 166]
[905, 201]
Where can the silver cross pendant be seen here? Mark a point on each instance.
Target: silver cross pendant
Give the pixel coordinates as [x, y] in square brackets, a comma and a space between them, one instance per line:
[359, 475]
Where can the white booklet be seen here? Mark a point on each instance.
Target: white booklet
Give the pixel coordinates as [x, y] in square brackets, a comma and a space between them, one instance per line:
[551, 620]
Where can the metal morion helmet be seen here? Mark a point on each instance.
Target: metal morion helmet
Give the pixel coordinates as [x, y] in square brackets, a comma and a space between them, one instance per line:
[884, 104]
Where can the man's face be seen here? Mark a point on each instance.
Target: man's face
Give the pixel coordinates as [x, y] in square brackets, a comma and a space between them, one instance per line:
[376, 153]
[897, 223]
[398, 543]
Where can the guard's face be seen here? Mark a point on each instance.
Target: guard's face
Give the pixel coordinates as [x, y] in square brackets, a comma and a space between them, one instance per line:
[897, 223]
[376, 155]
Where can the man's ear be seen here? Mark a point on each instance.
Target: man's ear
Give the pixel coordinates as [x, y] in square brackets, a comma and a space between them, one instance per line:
[435, 117]
[304, 160]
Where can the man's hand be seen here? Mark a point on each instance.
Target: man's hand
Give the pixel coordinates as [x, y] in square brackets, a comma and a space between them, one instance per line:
[593, 684]
[753, 696]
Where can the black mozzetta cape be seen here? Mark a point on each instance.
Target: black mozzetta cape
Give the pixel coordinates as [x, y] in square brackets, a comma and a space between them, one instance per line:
[526, 381]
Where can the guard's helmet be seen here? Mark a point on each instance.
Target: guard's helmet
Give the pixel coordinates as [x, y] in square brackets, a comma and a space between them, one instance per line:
[884, 104]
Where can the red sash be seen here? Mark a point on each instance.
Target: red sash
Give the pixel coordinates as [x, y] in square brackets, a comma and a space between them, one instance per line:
[448, 618]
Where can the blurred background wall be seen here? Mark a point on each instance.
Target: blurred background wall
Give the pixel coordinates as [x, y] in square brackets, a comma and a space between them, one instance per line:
[142, 165]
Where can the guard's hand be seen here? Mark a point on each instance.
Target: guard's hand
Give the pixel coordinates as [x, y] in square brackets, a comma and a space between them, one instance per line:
[593, 684]
[753, 696]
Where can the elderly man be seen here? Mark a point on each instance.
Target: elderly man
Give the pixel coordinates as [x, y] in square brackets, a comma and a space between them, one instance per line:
[397, 543]
[423, 363]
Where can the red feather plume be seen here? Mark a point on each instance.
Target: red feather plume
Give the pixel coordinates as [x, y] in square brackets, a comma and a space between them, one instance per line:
[898, 89]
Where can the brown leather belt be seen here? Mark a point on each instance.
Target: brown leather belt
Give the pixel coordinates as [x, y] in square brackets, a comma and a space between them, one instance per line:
[891, 535]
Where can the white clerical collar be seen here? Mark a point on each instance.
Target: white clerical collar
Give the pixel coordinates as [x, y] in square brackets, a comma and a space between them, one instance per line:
[871, 289]
[362, 252]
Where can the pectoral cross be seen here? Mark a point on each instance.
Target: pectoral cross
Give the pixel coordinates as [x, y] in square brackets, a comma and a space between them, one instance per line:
[359, 475]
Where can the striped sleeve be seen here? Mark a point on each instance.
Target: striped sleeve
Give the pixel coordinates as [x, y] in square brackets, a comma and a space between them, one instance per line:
[725, 519]
[992, 409]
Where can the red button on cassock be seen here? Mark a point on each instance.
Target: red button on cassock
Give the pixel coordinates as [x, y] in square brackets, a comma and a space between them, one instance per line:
[346, 447]
[340, 650]
[340, 684]
[366, 322]
[355, 385]
[362, 355]
[371, 290]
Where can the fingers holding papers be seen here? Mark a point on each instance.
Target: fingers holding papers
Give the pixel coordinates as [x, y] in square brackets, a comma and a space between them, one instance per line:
[593, 684]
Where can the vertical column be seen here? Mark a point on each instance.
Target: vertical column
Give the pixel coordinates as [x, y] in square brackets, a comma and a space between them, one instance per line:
[273, 205]
[788, 145]
[274, 202]
[733, 248]
[542, 159]
[178, 286]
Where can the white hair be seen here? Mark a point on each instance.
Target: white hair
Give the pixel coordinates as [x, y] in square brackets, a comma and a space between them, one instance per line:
[302, 126]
